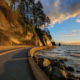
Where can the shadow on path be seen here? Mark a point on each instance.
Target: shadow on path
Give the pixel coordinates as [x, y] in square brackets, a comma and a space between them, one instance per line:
[17, 68]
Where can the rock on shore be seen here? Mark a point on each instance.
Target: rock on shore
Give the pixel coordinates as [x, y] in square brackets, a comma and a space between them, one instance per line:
[56, 69]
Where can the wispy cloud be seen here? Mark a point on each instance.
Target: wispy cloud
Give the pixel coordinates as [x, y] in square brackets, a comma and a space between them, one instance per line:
[61, 10]
[67, 35]
[78, 20]
[72, 35]
[75, 31]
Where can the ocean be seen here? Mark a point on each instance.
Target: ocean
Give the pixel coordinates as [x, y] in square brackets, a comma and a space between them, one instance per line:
[70, 53]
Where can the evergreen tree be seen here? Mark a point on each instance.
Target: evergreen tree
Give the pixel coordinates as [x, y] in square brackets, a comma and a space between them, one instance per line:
[22, 8]
[13, 2]
[35, 10]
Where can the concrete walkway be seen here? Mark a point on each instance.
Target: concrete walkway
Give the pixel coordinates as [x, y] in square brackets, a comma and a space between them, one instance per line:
[15, 66]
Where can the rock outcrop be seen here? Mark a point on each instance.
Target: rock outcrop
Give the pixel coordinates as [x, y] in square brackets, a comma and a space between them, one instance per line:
[44, 37]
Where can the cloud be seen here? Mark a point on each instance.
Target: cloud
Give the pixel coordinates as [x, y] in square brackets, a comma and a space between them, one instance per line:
[69, 35]
[78, 20]
[61, 10]
[77, 42]
[75, 31]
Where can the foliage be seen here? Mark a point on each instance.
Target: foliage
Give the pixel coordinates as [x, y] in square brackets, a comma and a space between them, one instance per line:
[34, 12]
[13, 2]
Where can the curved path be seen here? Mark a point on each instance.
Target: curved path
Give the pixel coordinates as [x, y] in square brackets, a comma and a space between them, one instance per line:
[14, 65]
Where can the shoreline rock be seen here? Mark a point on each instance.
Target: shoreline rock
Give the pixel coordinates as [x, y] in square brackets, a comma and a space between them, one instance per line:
[56, 69]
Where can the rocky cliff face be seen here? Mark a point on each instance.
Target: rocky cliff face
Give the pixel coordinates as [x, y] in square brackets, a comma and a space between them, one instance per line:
[44, 38]
[47, 40]
[12, 32]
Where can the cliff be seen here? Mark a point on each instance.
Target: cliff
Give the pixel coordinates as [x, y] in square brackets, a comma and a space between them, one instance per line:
[44, 37]
[13, 31]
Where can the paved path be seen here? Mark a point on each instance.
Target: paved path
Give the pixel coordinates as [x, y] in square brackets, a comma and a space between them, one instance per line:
[15, 66]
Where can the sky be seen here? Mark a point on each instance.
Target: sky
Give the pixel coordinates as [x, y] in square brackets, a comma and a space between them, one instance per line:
[65, 20]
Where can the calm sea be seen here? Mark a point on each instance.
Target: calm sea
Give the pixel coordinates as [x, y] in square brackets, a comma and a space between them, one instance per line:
[71, 53]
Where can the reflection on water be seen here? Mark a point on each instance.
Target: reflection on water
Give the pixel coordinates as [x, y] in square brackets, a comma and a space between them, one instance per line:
[71, 53]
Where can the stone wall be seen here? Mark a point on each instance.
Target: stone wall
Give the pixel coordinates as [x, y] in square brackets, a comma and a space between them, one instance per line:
[37, 72]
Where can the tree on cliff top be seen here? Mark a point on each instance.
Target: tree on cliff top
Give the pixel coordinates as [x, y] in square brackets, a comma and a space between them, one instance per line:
[34, 12]
[13, 3]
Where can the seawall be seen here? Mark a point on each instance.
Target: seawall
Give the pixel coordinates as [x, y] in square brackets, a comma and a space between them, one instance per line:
[37, 72]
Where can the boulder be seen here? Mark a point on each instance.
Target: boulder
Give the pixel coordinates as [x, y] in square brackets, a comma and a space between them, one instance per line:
[40, 62]
[69, 68]
[48, 70]
[71, 76]
[46, 62]
[58, 64]
[58, 74]
[78, 71]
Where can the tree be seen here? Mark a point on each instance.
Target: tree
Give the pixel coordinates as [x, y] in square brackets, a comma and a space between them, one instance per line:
[22, 8]
[35, 11]
[31, 2]
[39, 13]
[41, 17]
[13, 2]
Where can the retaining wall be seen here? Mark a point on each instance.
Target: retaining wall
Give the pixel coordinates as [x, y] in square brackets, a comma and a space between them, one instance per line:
[37, 72]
